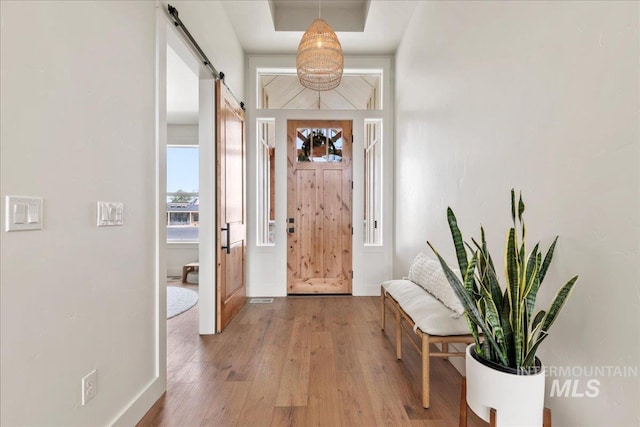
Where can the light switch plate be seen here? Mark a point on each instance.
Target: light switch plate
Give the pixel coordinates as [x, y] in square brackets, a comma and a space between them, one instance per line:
[110, 213]
[23, 213]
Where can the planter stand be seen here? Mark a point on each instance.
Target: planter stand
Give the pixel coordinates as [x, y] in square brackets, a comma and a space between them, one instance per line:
[546, 417]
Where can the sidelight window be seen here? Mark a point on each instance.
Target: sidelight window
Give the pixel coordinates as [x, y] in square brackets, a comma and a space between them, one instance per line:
[266, 181]
[373, 182]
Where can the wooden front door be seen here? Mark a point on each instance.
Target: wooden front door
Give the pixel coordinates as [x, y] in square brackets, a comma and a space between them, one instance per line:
[230, 206]
[319, 193]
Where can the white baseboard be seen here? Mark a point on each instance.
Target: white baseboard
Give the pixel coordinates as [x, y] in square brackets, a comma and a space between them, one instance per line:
[174, 271]
[139, 406]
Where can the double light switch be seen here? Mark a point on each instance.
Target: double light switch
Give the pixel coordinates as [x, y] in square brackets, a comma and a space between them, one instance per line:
[110, 213]
[23, 213]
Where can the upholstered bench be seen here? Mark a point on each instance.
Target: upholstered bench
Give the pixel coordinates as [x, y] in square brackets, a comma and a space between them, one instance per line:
[188, 268]
[423, 316]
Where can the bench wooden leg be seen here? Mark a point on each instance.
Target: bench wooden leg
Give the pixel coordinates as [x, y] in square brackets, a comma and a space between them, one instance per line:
[185, 272]
[493, 415]
[445, 349]
[398, 334]
[382, 308]
[425, 370]
[462, 422]
[546, 417]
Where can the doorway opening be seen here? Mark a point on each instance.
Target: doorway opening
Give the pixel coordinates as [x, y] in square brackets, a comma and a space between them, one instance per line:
[182, 190]
[188, 177]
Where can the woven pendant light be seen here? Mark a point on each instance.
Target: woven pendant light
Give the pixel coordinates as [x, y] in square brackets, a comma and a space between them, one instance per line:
[319, 60]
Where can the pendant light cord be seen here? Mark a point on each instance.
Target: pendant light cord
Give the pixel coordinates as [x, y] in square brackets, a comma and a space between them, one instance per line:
[320, 9]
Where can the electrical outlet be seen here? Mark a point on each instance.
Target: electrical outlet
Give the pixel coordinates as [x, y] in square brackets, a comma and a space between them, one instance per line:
[89, 386]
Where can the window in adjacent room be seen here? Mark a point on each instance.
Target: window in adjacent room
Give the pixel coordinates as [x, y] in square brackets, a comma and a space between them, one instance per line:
[183, 208]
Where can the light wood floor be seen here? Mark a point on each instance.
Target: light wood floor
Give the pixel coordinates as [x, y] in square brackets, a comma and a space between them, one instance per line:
[300, 361]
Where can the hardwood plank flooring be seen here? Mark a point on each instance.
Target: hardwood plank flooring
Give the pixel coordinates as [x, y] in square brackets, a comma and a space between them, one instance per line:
[300, 361]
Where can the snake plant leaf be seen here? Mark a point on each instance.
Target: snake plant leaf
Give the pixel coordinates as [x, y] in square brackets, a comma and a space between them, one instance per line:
[531, 269]
[549, 318]
[471, 248]
[536, 326]
[486, 350]
[520, 207]
[532, 294]
[531, 354]
[461, 254]
[469, 286]
[522, 225]
[490, 277]
[468, 275]
[511, 266]
[519, 334]
[547, 259]
[468, 304]
[493, 319]
[558, 302]
[506, 326]
[473, 328]
[538, 319]
[513, 206]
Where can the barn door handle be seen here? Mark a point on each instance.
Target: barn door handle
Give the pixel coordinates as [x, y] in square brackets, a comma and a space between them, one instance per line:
[228, 230]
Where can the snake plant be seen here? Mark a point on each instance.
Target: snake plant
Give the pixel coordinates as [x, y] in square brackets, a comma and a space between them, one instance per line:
[503, 323]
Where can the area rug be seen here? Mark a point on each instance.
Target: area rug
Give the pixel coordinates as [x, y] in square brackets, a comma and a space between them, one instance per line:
[179, 300]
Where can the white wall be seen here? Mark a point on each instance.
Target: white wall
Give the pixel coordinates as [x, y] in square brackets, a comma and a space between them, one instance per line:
[77, 123]
[182, 134]
[267, 265]
[543, 97]
[77, 126]
[178, 254]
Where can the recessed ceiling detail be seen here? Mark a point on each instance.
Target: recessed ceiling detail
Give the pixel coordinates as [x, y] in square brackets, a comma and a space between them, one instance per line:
[253, 24]
[296, 15]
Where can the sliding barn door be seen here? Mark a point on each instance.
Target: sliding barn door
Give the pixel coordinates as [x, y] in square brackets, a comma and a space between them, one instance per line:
[319, 197]
[230, 206]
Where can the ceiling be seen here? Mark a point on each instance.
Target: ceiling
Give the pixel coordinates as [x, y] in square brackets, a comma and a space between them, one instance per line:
[364, 27]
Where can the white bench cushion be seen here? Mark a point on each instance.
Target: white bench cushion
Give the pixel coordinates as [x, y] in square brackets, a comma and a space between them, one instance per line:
[428, 314]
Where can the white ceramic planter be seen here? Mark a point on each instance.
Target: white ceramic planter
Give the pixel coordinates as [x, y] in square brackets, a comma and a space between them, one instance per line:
[517, 399]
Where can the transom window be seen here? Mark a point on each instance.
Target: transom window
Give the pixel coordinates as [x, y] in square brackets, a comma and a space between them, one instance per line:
[358, 90]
